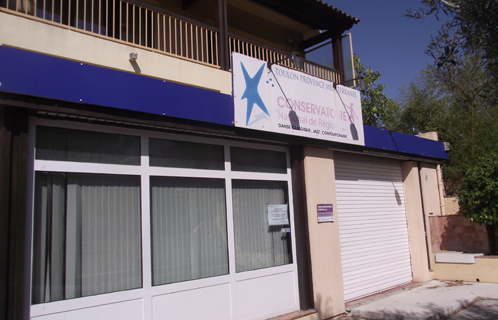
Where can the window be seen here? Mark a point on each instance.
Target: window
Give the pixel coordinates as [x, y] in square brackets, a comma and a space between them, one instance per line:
[254, 160]
[85, 146]
[258, 245]
[182, 154]
[87, 237]
[134, 214]
[188, 229]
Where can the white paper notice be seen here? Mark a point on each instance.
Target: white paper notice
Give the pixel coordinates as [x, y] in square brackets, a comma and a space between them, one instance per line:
[277, 215]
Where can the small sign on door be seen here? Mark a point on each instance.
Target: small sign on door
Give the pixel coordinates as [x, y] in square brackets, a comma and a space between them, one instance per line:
[277, 215]
[325, 212]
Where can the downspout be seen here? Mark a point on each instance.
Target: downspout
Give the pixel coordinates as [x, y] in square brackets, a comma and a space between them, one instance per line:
[440, 187]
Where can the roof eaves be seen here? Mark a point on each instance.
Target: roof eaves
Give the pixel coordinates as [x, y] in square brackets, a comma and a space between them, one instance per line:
[356, 20]
[315, 13]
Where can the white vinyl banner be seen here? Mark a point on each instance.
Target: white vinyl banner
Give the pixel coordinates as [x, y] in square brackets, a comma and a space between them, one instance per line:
[291, 102]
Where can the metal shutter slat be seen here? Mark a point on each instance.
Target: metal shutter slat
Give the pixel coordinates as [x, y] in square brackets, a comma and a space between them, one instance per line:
[373, 230]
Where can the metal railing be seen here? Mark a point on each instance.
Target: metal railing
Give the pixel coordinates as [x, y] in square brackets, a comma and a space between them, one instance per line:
[126, 21]
[259, 51]
[153, 29]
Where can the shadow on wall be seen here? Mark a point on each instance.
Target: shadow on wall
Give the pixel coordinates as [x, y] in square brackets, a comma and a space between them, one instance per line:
[322, 305]
[457, 233]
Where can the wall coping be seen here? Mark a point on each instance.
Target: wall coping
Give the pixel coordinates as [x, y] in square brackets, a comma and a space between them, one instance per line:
[457, 257]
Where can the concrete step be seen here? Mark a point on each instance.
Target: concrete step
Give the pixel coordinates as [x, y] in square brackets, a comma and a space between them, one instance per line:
[311, 314]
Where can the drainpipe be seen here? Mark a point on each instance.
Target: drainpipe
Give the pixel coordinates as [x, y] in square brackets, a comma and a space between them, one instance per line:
[440, 188]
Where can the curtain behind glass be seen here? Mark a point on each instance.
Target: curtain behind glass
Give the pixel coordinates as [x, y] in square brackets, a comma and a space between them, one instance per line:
[87, 235]
[189, 234]
[257, 245]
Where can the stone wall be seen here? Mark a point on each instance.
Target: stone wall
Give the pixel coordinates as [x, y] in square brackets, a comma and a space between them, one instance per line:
[457, 233]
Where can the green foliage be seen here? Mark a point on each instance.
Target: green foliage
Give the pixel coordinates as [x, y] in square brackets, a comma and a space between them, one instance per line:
[459, 102]
[377, 109]
[471, 25]
[478, 194]
[424, 105]
[457, 97]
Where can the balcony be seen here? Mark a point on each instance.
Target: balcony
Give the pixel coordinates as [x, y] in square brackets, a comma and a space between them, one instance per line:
[157, 30]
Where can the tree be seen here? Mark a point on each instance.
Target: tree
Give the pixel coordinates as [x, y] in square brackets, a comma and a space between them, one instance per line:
[458, 97]
[377, 109]
[424, 104]
[478, 195]
[459, 102]
[471, 25]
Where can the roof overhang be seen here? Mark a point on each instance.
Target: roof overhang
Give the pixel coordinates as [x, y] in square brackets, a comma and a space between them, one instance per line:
[314, 13]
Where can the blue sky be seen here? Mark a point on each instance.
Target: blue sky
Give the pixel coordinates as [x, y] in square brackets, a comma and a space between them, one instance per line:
[387, 41]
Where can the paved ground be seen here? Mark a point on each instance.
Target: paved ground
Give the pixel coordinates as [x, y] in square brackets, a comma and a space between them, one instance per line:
[453, 300]
[481, 310]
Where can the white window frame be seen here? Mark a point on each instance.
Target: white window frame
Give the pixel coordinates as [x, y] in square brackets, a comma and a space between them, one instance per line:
[145, 172]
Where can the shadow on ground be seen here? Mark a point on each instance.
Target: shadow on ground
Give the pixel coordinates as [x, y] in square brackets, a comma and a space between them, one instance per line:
[429, 311]
[480, 310]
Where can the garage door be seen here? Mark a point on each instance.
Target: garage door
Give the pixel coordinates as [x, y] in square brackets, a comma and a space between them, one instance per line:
[372, 224]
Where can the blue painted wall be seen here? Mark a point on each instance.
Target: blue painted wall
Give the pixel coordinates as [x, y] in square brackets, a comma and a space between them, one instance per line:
[403, 143]
[40, 75]
[35, 74]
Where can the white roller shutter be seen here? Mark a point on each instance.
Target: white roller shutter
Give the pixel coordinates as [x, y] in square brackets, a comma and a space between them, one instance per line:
[372, 224]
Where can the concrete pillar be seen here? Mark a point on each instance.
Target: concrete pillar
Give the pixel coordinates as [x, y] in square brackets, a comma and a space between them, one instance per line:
[325, 247]
[417, 223]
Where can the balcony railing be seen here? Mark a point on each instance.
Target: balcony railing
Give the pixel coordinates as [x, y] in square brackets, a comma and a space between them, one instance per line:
[259, 51]
[153, 29]
[128, 22]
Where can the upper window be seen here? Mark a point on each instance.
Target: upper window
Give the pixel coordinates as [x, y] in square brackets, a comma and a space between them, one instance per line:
[86, 146]
[256, 160]
[182, 154]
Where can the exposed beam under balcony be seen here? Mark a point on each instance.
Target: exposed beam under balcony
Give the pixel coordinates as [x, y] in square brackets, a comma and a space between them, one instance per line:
[187, 3]
[324, 36]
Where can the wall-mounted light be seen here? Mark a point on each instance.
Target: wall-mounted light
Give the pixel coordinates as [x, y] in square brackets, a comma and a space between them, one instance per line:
[290, 39]
[416, 131]
[356, 82]
[133, 56]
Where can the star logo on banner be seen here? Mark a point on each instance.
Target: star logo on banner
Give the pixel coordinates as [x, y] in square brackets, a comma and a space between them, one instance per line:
[251, 93]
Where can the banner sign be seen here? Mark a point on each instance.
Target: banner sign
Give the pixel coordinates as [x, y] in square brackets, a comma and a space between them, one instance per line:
[291, 102]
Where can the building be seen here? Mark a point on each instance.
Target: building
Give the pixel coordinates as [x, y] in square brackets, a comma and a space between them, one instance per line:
[131, 189]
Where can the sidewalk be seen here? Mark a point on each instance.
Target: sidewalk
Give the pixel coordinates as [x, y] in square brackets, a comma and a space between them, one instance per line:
[432, 300]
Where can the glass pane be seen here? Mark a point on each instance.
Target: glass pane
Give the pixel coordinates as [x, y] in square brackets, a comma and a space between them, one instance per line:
[257, 245]
[255, 160]
[189, 233]
[86, 146]
[322, 55]
[181, 154]
[87, 235]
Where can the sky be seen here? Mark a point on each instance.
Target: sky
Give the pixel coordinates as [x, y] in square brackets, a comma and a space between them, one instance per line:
[387, 41]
